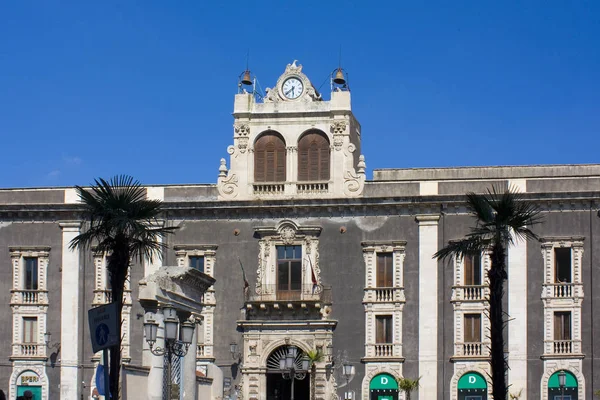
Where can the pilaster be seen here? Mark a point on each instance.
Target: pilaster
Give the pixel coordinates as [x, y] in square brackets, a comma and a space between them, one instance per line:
[428, 305]
[69, 329]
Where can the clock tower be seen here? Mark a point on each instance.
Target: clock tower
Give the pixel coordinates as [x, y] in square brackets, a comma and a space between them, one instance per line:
[290, 143]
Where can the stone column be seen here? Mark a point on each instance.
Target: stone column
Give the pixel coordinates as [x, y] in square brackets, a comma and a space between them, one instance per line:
[517, 311]
[155, 376]
[189, 368]
[428, 306]
[70, 310]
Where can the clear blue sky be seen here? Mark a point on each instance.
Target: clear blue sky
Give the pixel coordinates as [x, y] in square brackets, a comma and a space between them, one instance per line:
[97, 88]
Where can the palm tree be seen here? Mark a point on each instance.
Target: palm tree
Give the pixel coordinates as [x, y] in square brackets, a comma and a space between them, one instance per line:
[122, 223]
[314, 356]
[408, 385]
[501, 219]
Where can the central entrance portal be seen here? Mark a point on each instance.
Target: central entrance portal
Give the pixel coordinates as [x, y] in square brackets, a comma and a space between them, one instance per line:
[279, 381]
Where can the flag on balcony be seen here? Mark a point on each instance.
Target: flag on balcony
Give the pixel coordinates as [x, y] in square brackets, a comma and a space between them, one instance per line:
[246, 284]
[313, 276]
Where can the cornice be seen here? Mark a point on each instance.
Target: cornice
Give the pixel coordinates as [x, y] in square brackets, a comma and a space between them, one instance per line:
[306, 208]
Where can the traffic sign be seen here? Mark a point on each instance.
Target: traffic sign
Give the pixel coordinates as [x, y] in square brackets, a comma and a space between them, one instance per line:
[103, 326]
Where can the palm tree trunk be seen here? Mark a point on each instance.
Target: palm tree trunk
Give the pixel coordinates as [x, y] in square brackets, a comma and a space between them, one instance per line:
[497, 276]
[118, 266]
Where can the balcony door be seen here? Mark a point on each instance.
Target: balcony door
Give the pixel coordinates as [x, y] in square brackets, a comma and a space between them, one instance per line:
[289, 272]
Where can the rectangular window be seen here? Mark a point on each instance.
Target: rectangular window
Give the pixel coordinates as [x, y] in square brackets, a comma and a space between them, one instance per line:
[562, 325]
[562, 265]
[289, 268]
[197, 262]
[385, 270]
[383, 329]
[30, 330]
[472, 270]
[472, 328]
[31, 273]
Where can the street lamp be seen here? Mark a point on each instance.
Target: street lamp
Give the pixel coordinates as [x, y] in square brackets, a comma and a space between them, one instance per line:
[289, 368]
[562, 382]
[173, 344]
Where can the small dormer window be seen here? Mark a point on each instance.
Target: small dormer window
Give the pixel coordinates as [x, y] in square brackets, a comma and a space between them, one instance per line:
[269, 158]
[313, 157]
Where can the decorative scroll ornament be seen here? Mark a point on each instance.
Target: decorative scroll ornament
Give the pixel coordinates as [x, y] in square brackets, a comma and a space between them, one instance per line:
[227, 186]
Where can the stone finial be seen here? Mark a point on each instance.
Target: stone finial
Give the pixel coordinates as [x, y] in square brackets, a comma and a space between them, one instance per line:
[361, 164]
[223, 169]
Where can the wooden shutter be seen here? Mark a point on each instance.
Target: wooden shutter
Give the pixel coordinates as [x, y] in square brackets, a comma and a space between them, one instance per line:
[384, 270]
[269, 158]
[279, 166]
[562, 325]
[324, 161]
[472, 328]
[313, 157]
[383, 329]
[472, 269]
[259, 160]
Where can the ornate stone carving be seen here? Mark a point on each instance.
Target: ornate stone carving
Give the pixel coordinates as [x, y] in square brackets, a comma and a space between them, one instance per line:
[228, 187]
[338, 128]
[288, 235]
[310, 93]
[353, 183]
[242, 132]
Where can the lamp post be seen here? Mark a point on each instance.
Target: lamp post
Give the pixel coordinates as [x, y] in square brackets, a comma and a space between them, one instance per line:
[562, 382]
[289, 368]
[173, 345]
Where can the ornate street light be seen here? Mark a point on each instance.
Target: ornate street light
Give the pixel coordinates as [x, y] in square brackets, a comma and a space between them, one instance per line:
[174, 345]
[289, 368]
[562, 382]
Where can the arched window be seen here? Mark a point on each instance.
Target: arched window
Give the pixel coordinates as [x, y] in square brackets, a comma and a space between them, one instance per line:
[269, 158]
[313, 157]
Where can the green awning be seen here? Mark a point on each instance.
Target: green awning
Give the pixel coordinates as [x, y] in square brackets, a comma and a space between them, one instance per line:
[383, 381]
[472, 380]
[571, 381]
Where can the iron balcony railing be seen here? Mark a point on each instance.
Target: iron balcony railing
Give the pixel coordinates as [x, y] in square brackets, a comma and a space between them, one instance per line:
[273, 293]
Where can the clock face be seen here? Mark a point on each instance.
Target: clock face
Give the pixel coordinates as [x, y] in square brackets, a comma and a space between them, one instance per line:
[292, 88]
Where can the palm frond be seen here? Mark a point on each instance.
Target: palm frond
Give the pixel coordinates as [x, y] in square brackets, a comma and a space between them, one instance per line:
[467, 246]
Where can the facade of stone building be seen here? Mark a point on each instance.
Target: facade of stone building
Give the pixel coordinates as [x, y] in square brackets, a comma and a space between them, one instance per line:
[333, 262]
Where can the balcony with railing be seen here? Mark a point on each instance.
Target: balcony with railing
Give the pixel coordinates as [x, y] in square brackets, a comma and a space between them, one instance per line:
[102, 297]
[29, 297]
[471, 350]
[312, 187]
[470, 293]
[271, 301]
[299, 293]
[28, 351]
[383, 351]
[562, 349]
[562, 291]
[384, 295]
[268, 188]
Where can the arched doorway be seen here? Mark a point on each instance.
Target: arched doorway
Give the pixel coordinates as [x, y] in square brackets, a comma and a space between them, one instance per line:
[570, 390]
[472, 386]
[383, 387]
[279, 384]
[29, 381]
